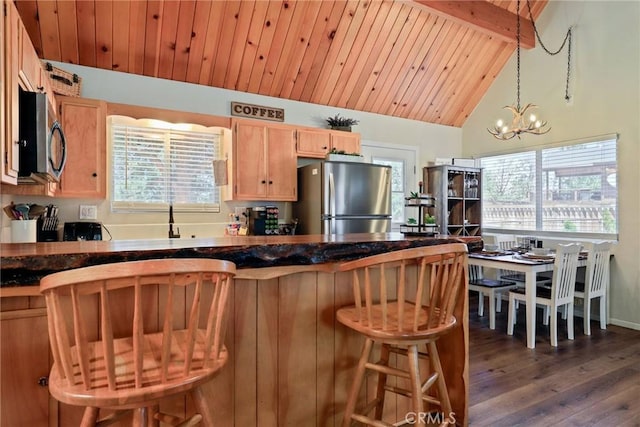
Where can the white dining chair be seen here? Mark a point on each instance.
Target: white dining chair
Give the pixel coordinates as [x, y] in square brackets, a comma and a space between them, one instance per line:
[596, 283]
[506, 242]
[560, 294]
[490, 288]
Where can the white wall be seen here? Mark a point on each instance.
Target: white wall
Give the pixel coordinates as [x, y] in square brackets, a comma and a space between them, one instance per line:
[605, 85]
[433, 141]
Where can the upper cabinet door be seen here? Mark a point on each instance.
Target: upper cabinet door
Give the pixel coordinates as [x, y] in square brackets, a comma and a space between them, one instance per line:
[249, 167]
[30, 67]
[313, 143]
[10, 57]
[345, 141]
[282, 164]
[84, 125]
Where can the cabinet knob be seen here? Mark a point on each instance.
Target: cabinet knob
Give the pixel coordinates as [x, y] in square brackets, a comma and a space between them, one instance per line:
[325, 147]
[40, 88]
[22, 143]
[94, 174]
[43, 381]
[270, 182]
[263, 182]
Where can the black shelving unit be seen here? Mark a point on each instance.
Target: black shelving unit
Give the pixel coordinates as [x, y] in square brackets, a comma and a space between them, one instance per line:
[420, 229]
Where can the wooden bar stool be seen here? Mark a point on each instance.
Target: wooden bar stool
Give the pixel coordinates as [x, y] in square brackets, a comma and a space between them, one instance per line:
[119, 342]
[404, 300]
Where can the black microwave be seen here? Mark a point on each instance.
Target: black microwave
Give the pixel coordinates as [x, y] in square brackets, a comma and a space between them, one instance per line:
[43, 149]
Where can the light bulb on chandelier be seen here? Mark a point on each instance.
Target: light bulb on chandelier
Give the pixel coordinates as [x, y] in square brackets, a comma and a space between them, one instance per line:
[521, 123]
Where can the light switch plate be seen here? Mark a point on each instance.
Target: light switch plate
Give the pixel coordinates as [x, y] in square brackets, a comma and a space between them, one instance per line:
[88, 212]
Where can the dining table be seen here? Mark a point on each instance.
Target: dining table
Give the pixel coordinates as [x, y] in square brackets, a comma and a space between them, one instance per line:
[530, 266]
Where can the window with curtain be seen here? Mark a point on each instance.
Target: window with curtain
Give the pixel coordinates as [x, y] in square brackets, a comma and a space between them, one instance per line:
[155, 164]
[568, 188]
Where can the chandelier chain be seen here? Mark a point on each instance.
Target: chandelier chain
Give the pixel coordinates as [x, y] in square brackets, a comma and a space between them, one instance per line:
[567, 39]
[518, 54]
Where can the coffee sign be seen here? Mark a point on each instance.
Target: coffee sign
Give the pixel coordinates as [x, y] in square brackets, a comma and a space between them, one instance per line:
[257, 112]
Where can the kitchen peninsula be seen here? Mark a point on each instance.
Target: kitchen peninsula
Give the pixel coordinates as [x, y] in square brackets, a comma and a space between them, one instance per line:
[290, 362]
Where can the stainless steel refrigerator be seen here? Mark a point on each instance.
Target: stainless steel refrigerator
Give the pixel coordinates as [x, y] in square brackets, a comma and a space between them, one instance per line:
[343, 197]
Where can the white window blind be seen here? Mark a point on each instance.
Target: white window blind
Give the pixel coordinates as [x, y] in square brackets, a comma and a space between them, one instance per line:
[155, 164]
[569, 188]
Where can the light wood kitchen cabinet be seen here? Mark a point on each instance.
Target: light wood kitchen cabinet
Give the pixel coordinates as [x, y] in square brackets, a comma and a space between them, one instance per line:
[25, 364]
[84, 123]
[263, 162]
[345, 141]
[313, 143]
[20, 68]
[10, 126]
[316, 143]
[31, 71]
[30, 68]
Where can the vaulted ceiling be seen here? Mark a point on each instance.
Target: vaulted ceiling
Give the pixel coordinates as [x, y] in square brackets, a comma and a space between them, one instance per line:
[425, 60]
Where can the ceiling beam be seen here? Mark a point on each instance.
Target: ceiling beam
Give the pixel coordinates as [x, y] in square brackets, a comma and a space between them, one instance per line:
[485, 17]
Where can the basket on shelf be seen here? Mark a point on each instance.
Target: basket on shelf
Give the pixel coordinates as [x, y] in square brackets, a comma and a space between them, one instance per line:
[63, 82]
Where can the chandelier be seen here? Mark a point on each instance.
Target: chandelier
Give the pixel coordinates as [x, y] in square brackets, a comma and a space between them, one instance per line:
[524, 120]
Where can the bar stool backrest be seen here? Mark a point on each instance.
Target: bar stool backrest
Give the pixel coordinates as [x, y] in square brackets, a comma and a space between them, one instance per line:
[408, 290]
[76, 298]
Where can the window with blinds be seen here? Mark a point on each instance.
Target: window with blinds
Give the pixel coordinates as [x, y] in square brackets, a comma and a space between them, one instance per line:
[569, 188]
[155, 164]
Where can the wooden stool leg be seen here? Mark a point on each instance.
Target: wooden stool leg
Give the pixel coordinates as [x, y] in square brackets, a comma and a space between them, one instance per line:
[416, 384]
[382, 381]
[200, 401]
[443, 393]
[90, 417]
[140, 417]
[153, 411]
[357, 382]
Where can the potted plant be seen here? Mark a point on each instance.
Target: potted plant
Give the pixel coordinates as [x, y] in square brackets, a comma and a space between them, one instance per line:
[414, 198]
[341, 123]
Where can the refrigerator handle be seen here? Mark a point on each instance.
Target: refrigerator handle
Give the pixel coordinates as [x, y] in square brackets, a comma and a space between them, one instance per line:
[332, 195]
[332, 204]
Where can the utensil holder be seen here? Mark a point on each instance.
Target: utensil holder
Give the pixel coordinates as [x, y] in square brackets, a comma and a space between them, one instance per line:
[24, 231]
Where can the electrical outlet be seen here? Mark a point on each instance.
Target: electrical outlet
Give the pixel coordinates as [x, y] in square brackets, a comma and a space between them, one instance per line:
[88, 212]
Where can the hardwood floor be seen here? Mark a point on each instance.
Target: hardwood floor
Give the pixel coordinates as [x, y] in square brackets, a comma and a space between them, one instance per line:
[589, 381]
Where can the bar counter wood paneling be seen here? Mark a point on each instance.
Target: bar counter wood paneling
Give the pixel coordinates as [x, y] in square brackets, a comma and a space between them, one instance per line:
[290, 362]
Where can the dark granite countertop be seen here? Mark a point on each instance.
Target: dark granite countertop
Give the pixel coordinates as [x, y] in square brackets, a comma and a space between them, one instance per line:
[23, 264]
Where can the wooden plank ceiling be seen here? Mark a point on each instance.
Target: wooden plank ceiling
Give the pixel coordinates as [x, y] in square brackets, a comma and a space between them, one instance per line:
[425, 60]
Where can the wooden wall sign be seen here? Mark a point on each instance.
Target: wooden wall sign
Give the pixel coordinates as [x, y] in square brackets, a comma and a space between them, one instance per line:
[257, 112]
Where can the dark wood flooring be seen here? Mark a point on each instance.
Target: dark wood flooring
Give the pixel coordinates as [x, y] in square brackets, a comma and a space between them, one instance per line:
[589, 381]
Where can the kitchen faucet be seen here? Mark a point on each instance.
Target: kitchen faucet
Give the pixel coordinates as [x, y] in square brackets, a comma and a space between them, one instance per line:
[172, 235]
